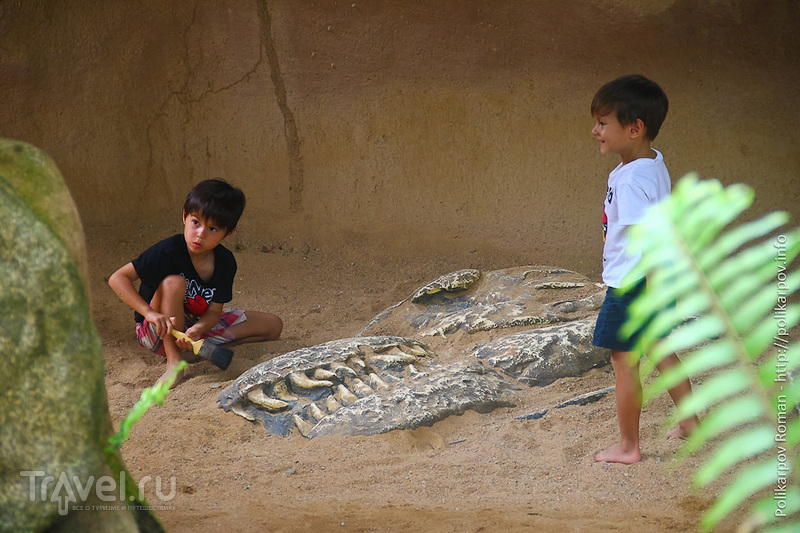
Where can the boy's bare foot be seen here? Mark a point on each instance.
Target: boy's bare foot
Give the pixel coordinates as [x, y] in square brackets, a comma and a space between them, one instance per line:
[684, 428]
[676, 433]
[617, 454]
[168, 374]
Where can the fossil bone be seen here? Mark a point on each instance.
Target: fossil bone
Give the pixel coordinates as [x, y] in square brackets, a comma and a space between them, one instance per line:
[243, 413]
[331, 404]
[322, 374]
[361, 389]
[344, 395]
[281, 390]
[302, 425]
[302, 381]
[315, 412]
[418, 350]
[342, 371]
[390, 360]
[258, 397]
[358, 363]
[375, 381]
[452, 282]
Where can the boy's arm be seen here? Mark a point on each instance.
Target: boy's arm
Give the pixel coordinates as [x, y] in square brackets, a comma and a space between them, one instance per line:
[206, 322]
[122, 283]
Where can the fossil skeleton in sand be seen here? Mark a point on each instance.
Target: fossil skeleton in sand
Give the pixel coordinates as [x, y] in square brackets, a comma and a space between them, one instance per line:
[485, 335]
[372, 385]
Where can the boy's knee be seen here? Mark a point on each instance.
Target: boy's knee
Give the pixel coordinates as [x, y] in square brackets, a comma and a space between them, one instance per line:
[174, 284]
[277, 327]
[619, 355]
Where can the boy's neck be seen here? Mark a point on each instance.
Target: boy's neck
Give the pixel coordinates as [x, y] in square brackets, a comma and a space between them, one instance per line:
[641, 150]
[203, 263]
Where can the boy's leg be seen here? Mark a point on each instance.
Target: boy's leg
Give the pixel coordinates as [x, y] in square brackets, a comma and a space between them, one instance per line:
[629, 406]
[678, 393]
[259, 327]
[168, 300]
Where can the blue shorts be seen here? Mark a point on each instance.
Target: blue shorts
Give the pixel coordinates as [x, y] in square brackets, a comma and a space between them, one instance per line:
[613, 315]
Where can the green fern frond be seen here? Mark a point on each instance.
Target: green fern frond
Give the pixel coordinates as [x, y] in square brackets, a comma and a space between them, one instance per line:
[715, 390]
[738, 447]
[150, 396]
[722, 293]
[746, 484]
[726, 417]
[763, 513]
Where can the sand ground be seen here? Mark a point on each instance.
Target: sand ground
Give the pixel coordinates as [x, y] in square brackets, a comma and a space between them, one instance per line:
[467, 473]
[470, 118]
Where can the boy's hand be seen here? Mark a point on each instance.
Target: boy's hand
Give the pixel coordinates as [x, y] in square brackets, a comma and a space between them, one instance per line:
[183, 343]
[162, 323]
[194, 333]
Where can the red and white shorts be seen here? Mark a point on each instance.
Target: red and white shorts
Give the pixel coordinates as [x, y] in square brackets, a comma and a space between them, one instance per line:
[219, 334]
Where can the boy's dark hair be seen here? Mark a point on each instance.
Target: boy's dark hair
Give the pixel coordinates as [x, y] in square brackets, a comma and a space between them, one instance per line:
[633, 97]
[216, 200]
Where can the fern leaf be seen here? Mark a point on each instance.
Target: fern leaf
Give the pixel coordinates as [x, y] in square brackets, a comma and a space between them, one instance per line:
[667, 319]
[763, 512]
[745, 317]
[745, 262]
[738, 237]
[150, 396]
[745, 287]
[691, 335]
[763, 335]
[792, 527]
[791, 362]
[747, 483]
[738, 447]
[721, 420]
[793, 434]
[714, 390]
[706, 358]
[724, 282]
[641, 310]
[790, 394]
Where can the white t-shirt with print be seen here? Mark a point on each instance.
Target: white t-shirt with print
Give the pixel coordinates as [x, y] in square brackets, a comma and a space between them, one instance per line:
[632, 188]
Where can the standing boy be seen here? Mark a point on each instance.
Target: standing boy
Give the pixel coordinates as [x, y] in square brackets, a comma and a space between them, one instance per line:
[186, 279]
[628, 114]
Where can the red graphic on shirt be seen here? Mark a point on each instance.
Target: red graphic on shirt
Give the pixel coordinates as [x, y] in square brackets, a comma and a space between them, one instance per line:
[197, 298]
[196, 306]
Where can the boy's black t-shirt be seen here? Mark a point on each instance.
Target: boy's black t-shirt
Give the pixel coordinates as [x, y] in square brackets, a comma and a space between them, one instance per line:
[171, 256]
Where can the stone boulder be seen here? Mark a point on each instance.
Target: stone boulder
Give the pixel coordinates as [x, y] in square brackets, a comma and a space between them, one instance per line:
[53, 409]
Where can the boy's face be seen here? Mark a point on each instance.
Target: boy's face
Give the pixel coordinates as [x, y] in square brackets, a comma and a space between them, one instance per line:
[612, 136]
[615, 138]
[201, 235]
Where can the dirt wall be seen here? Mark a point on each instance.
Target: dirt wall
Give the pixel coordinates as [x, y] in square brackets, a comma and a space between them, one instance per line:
[465, 119]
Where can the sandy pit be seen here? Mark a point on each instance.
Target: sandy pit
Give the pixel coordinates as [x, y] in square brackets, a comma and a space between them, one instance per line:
[466, 473]
[382, 144]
